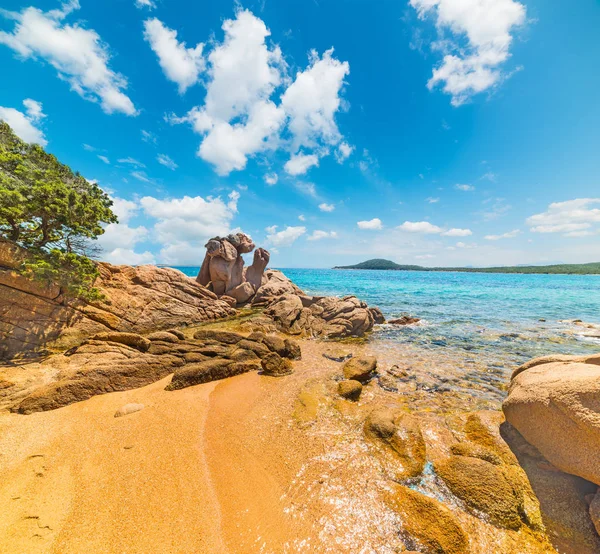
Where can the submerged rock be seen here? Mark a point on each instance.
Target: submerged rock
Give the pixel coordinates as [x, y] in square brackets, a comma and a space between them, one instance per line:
[404, 320]
[337, 354]
[360, 369]
[428, 523]
[350, 389]
[275, 366]
[398, 437]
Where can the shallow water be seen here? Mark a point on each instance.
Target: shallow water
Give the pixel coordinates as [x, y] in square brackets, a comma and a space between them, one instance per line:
[475, 327]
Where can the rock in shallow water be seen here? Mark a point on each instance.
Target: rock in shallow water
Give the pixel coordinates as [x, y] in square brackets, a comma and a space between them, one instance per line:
[350, 389]
[274, 365]
[360, 369]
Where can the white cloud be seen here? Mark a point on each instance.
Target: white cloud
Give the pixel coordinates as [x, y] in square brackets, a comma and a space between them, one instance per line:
[372, 224]
[509, 235]
[123, 256]
[318, 235]
[120, 235]
[425, 257]
[78, 54]
[287, 237]
[104, 159]
[124, 209]
[180, 64]
[141, 176]
[306, 188]
[313, 99]
[343, 152]
[271, 179]
[185, 224]
[300, 163]
[487, 26]
[301, 217]
[165, 160]
[24, 124]
[326, 207]
[271, 230]
[239, 118]
[420, 227]
[572, 217]
[131, 161]
[465, 188]
[145, 4]
[432, 200]
[149, 137]
[457, 233]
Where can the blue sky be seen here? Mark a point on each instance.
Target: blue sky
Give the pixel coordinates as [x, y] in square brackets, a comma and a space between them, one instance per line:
[432, 132]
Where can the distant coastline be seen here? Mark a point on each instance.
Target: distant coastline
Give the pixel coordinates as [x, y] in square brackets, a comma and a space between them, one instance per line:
[556, 269]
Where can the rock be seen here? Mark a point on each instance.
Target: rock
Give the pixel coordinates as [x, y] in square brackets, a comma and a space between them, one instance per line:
[128, 409]
[428, 522]
[378, 316]
[293, 350]
[273, 343]
[400, 435]
[388, 383]
[177, 333]
[337, 354]
[255, 273]
[285, 310]
[591, 359]
[242, 293]
[165, 336]
[595, 512]
[484, 487]
[98, 367]
[360, 369]
[404, 320]
[555, 406]
[275, 366]
[130, 339]
[205, 372]
[471, 450]
[229, 300]
[275, 285]
[350, 389]
[258, 348]
[225, 337]
[36, 316]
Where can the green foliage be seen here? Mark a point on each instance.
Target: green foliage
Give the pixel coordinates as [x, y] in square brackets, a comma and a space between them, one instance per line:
[52, 212]
[558, 269]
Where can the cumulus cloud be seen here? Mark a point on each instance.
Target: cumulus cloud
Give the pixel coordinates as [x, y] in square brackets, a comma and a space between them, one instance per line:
[286, 237]
[123, 256]
[271, 179]
[241, 118]
[313, 99]
[150, 4]
[343, 152]
[487, 26]
[326, 207]
[300, 163]
[24, 124]
[465, 188]
[457, 233]
[508, 235]
[185, 224]
[318, 235]
[572, 218]
[372, 224]
[180, 64]
[420, 227]
[165, 160]
[78, 54]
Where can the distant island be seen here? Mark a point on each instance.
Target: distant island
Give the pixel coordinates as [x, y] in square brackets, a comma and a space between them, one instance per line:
[564, 269]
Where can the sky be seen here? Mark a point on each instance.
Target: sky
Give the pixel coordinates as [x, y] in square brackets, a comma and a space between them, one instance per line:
[430, 132]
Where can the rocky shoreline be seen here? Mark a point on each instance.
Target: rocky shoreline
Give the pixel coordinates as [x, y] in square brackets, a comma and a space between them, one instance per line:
[357, 455]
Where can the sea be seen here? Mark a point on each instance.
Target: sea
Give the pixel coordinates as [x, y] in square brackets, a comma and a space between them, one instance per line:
[493, 321]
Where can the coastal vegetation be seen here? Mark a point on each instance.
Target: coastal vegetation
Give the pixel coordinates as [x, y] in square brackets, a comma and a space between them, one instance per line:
[556, 269]
[51, 212]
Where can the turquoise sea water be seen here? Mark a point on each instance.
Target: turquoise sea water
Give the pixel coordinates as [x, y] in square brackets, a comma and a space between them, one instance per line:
[494, 315]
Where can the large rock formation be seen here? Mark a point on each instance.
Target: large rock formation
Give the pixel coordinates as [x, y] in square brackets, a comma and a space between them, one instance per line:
[556, 407]
[121, 361]
[35, 316]
[289, 309]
